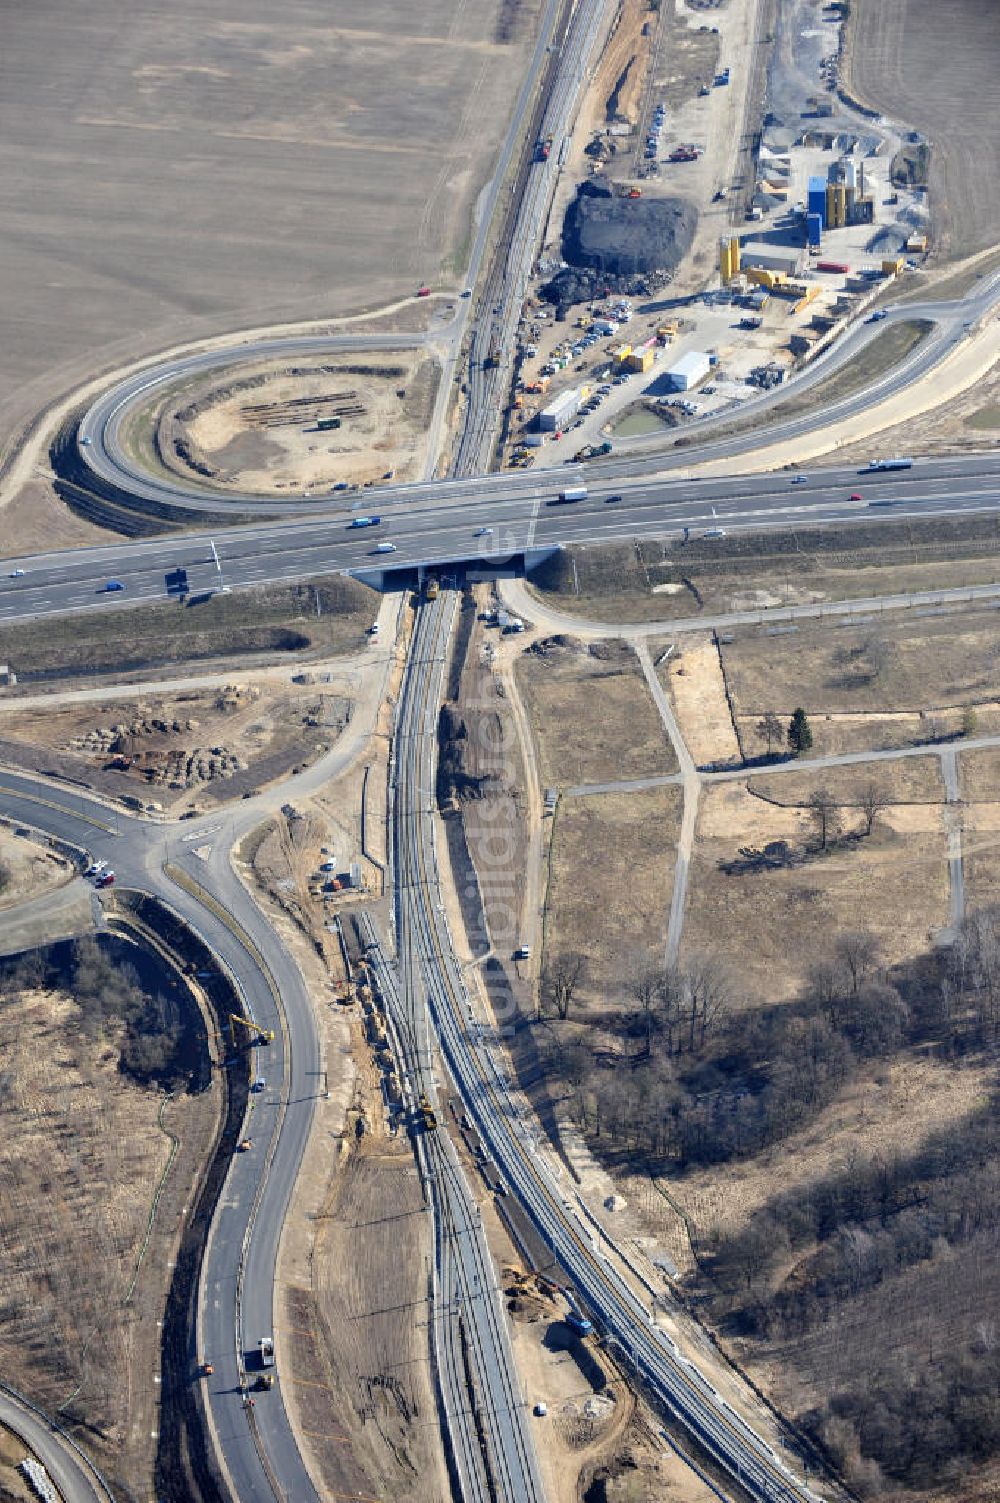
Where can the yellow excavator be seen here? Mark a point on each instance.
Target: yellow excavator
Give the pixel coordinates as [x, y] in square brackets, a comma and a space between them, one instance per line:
[260, 1035]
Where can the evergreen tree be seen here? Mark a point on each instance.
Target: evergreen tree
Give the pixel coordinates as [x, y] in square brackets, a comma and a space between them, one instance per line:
[800, 736]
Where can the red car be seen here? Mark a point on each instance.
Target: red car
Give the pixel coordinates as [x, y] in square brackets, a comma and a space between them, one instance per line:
[106, 879]
[854, 496]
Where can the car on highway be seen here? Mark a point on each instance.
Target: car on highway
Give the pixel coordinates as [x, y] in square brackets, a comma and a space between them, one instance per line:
[483, 532]
[715, 532]
[611, 499]
[855, 496]
[799, 479]
[113, 586]
[17, 573]
[385, 548]
[86, 442]
[877, 316]
[364, 521]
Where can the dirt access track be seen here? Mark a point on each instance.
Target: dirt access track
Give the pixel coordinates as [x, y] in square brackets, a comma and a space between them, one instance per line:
[233, 165]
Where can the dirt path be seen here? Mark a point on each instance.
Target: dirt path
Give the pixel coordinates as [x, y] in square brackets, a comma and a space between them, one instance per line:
[691, 784]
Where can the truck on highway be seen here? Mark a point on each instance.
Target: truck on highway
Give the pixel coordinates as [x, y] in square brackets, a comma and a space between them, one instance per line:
[572, 493]
[364, 521]
[265, 1347]
[886, 464]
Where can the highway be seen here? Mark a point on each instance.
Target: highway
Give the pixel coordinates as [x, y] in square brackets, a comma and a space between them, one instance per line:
[506, 1126]
[523, 518]
[101, 447]
[238, 1272]
[68, 1467]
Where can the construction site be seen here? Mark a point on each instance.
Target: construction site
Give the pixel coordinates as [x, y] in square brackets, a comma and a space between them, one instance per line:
[684, 238]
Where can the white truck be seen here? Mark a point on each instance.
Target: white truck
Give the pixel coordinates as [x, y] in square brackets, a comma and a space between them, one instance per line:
[572, 493]
[266, 1349]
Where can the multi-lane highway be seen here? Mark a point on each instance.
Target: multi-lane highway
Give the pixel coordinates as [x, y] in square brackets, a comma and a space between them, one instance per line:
[237, 1283]
[521, 517]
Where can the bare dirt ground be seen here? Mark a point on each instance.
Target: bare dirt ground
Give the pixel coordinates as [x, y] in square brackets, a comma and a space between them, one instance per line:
[28, 869]
[262, 432]
[206, 744]
[38, 522]
[693, 675]
[580, 696]
[80, 1154]
[934, 67]
[303, 165]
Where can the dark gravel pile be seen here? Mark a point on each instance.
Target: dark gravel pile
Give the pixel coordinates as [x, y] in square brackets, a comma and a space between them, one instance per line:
[626, 236]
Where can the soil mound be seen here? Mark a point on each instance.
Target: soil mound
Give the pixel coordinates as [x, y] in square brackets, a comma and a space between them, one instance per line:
[627, 236]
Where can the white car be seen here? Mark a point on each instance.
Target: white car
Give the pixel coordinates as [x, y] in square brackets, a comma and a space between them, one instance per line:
[483, 532]
[17, 573]
[95, 868]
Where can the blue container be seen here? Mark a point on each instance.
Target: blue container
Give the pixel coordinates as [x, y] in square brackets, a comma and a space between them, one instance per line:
[814, 230]
[816, 203]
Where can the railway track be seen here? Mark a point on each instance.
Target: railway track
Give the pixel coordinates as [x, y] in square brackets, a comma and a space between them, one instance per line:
[505, 1125]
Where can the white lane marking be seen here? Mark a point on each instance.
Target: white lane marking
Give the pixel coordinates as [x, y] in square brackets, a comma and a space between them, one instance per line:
[200, 834]
[534, 522]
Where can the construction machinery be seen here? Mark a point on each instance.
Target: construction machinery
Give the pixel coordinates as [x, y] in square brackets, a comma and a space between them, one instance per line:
[428, 1114]
[431, 589]
[260, 1035]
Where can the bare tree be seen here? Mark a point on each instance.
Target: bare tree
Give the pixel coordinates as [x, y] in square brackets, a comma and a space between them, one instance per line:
[859, 952]
[559, 982]
[873, 800]
[707, 993]
[770, 729]
[825, 815]
[878, 653]
[646, 990]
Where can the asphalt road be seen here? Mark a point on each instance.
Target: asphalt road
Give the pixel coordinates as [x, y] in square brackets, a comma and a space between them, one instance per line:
[68, 1468]
[237, 1292]
[101, 446]
[522, 517]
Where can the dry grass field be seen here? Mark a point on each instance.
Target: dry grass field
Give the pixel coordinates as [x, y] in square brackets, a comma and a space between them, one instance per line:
[281, 621]
[210, 167]
[611, 877]
[82, 1148]
[776, 923]
[934, 67]
[593, 716]
[931, 668]
[668, 581]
